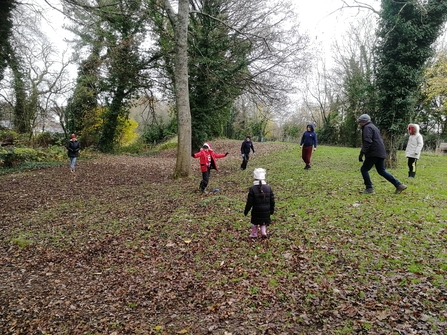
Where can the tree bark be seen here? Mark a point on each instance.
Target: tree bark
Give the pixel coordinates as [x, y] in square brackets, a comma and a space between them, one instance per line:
[180, 23]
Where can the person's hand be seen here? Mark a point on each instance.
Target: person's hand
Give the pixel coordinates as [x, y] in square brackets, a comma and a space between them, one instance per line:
[315, 149]
[254, 153]
[226, 154]
[192, 155]
[361, 157]
[243, 155]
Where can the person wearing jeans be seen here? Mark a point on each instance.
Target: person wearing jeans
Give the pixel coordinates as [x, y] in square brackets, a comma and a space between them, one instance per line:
[374, 151]
[73, 147]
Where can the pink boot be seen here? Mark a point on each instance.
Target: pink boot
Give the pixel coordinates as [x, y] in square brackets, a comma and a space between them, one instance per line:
[264, 231]
[254, 231]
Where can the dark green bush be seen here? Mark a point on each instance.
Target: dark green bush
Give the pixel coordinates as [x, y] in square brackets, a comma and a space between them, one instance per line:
[156, 133]
[47, 139]
[8, 136]
[13, 157]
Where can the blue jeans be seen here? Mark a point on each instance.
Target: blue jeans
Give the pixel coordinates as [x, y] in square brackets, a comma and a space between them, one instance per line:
[379, 163]
[72, 162]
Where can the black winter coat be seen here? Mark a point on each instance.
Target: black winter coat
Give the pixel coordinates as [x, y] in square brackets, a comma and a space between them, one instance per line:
[73, 148]
[246, 147]
[372, 143]
[262, 204]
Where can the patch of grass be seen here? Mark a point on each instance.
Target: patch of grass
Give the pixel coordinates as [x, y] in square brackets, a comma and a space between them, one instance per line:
[21, 242]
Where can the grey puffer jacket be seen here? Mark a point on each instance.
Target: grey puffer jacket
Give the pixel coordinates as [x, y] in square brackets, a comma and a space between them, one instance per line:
[372, 143]
[261, 204]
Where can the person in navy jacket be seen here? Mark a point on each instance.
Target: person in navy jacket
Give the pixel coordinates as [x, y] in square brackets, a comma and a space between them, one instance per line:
[308, 144]
[246, 146]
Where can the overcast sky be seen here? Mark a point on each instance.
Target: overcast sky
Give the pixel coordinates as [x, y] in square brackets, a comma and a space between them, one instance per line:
[325, 22]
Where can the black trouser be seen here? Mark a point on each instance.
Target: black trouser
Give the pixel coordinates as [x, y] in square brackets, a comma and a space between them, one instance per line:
[245, 161]
[412, 164]
[205, 179]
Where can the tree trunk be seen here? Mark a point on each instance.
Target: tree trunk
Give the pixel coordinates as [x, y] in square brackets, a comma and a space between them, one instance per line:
[180, 24]
[391, 151]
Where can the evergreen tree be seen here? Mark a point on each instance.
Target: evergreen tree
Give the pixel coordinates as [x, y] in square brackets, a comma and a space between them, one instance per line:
[407, 30]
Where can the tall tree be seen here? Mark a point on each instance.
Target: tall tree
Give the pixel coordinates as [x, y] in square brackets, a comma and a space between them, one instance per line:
[179, 22]
[6, 24]
[115, 34]
[407, 30]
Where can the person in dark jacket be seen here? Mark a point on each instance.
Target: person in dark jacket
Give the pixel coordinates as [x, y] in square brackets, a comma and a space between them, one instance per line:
[246, 146]
[261, 202]
[208, 161]
[373, 149]
[308, 144]
[73, 147]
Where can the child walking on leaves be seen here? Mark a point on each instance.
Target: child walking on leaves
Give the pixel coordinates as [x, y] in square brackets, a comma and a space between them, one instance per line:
[261, 202]
[208, 161]
[73, 146]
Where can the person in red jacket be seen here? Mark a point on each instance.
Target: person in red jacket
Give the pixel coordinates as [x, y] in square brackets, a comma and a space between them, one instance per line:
[208, 161]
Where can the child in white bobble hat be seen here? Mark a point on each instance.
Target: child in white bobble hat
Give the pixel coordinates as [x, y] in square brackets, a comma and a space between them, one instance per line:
[261, 202]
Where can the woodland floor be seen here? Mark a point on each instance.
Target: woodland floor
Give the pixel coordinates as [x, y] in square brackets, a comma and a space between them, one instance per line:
[101, 259]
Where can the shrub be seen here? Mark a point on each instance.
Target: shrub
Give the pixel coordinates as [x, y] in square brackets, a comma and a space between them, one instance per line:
[8, 136]
[137, 147]
[47, 139]
[13, 157]
[157, 133]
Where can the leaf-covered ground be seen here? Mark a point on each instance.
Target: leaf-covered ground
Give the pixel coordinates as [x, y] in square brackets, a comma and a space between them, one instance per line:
[121, 248]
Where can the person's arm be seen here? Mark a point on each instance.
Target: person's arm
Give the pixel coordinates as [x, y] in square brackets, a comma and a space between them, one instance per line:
[249, 203]
[367, 139]
[420, 145]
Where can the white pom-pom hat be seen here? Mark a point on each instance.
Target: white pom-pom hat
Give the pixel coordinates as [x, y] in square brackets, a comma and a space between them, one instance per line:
[259, 174]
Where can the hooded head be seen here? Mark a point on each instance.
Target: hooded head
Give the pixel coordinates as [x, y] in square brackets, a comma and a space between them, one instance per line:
[311, 126]
[364, 118]
[413, 129]
[206, 145]
[259, 174]
[73, 136]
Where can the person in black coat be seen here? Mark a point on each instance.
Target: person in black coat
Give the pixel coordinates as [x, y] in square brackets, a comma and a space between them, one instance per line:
[246, 146]
[73, 147]
[261, 202]
[374, 151]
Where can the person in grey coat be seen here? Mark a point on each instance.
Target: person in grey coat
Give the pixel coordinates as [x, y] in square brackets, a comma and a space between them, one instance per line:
[373, 149]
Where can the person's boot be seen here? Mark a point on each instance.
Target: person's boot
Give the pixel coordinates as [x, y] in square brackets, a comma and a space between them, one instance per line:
[264, 231]
[413, 174]
[254, 231]
[400, 188]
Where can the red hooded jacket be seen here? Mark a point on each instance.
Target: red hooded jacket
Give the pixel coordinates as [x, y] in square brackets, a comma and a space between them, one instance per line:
[208, 158]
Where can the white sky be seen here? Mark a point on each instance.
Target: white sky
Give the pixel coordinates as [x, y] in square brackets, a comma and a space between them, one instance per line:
[325, 23]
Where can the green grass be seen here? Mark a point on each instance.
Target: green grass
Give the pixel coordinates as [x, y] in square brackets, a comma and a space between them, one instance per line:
[336, 261]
